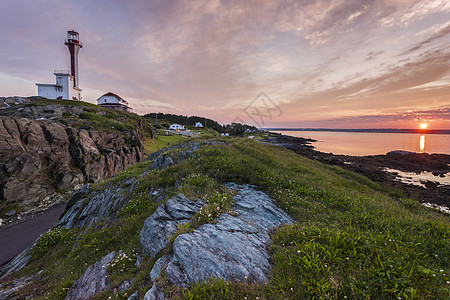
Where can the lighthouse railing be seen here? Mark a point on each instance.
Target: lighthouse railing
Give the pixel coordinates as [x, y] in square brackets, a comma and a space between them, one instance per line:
[62, 72]
[72, 41]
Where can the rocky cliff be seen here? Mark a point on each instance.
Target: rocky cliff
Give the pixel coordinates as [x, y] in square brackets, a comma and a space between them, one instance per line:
[42, 156]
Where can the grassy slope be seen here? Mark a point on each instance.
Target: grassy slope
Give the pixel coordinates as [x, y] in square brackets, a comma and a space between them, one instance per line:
[161, 141]
[352, 238]
[164, 140]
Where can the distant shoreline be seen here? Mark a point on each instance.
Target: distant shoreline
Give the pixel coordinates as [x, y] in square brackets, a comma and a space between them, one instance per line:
[374, 167]
[386, 130]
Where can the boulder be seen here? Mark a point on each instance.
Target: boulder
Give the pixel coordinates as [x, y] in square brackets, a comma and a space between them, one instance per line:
[134, 296]
[93, 281]
[9, 290]
[234, 248]
[162, 224]
[124, 286]
[162, 162]
[17, 263]
[86, 208]
[154, 293]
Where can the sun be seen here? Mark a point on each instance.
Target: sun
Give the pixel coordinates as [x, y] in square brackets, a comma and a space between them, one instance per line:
[423, 125]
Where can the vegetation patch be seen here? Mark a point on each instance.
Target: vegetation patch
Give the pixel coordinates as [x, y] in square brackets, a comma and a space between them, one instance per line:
[353, 239]
[162, 141]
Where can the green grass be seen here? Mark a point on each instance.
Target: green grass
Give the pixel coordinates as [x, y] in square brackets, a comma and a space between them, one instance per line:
[97, 117]
[352, 239]
[163, 141]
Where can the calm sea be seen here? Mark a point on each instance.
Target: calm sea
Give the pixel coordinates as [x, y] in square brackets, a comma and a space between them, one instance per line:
[368, 143]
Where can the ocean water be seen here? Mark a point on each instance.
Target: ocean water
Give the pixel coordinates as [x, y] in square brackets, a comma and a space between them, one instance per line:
[370, 143]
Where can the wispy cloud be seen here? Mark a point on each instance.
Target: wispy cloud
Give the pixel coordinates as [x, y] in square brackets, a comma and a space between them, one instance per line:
[409, 117]
[319, 59]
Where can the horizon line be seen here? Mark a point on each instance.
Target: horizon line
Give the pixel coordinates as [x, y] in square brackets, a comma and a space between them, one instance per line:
[385, 130]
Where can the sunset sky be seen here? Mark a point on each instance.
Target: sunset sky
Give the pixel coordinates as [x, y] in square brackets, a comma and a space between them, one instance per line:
[305, 63]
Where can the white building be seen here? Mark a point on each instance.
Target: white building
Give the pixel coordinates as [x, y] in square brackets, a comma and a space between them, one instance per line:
[176, 127]
[198, 124]
[113, 101]
[66, 86]
[63, 89]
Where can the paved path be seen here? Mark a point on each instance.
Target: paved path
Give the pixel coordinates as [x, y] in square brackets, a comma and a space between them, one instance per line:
[17, 237]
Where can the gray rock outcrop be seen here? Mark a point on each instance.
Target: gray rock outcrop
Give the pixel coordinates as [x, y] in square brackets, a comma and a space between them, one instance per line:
[86, 207]
[154, 293]
[162, 160]
[234, 248]
[9, 291]
[93, 280]
[160, 226]
[17, 263]
[14, 107]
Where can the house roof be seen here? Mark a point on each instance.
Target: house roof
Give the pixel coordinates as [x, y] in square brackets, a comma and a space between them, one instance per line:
[114, 95]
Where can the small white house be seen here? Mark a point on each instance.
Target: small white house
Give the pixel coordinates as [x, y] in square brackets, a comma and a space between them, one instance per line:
[63, 89]
[176, 127]
[199, 124]
[113, 101]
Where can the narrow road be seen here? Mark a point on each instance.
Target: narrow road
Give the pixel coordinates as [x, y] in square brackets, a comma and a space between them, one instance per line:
[16, 238]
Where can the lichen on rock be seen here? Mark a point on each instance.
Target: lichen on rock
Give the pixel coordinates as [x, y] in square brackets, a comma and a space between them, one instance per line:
[233, 248]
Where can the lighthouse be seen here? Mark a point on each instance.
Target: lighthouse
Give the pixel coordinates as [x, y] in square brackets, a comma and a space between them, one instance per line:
[74, 45]
[67, 82]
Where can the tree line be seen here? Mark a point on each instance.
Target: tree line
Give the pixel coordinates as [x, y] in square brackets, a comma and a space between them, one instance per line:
[232, 129]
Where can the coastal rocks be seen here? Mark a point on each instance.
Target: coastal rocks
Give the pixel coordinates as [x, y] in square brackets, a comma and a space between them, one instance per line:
[14, 107]
[9, 290]
[162, 161]
[17, 263]
[7, 104]
[124, 286]
[93, 281]
[86, 208]
[154, 293]
[40, 158]
[160, 226]
[374, 166]
[234, 248]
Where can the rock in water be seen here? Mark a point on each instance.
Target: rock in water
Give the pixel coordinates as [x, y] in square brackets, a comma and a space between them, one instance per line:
[160, 226]
[93, 280]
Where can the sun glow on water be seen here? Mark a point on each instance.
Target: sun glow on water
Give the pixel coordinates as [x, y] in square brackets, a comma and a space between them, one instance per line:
[422, 143]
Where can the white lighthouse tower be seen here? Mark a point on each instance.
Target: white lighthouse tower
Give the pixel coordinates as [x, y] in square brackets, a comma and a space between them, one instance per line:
[67, 82]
